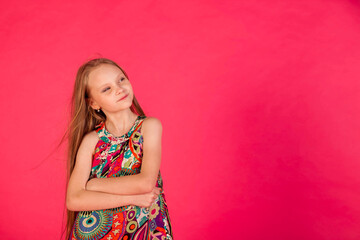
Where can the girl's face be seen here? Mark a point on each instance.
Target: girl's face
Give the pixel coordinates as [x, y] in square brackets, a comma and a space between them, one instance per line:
[109, 89]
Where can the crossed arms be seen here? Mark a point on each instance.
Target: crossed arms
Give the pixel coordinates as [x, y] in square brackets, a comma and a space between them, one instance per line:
[102, 193]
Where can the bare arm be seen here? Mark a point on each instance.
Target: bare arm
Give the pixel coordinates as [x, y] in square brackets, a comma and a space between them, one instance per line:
[80, 199]
[145, 181]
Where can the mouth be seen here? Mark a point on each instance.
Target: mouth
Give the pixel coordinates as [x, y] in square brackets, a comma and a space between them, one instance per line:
[122, 98]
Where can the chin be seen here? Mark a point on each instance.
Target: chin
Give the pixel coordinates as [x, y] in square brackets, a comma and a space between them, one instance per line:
[125, 104]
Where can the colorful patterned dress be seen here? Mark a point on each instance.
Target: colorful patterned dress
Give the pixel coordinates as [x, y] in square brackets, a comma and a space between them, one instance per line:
[115, 157]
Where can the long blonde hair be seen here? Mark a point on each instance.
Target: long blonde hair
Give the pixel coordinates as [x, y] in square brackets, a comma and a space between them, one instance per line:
[83, 120]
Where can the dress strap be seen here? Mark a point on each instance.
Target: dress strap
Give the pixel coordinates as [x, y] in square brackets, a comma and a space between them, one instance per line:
[138, 126]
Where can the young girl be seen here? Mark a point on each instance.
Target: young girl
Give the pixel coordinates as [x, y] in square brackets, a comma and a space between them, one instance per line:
[114, 188]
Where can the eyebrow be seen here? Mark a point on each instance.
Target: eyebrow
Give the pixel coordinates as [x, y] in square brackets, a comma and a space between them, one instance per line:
[107, 83]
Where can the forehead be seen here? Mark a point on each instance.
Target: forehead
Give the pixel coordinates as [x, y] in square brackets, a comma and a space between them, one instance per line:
[103, 74]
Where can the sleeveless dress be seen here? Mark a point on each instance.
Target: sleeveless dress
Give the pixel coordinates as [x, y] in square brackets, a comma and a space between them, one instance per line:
[116, 157]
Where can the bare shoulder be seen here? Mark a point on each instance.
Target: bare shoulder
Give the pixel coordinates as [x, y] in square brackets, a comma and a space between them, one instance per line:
[151, 125]
[90, 140]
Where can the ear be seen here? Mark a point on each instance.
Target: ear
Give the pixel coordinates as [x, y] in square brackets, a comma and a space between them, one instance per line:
[92, 103]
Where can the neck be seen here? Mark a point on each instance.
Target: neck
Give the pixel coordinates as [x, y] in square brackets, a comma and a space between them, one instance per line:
[119, 123]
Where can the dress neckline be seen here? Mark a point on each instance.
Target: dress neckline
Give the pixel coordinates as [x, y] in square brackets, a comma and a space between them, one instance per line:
[105, 135]
[117, 137]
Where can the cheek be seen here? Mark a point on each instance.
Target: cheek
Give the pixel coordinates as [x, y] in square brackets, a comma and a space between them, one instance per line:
[131, 95]
[129, 90]
[107, 100]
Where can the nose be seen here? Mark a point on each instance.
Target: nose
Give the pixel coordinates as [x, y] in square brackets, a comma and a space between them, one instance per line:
[119, 90]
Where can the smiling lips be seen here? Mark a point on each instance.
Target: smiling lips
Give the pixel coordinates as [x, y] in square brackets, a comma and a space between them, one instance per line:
[122, 98]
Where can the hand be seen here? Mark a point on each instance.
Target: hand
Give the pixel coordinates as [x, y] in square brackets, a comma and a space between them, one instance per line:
[147, 199]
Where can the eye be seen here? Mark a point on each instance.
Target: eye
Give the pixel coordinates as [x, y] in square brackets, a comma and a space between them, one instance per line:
[122, 79]
[105, 89]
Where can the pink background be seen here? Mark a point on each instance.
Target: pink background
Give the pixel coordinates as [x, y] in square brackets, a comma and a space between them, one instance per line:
[259, 102]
